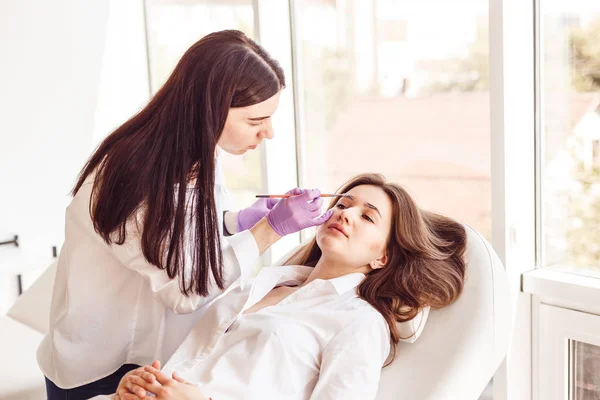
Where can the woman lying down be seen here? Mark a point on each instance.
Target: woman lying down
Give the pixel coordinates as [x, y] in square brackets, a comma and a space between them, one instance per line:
[324, 325]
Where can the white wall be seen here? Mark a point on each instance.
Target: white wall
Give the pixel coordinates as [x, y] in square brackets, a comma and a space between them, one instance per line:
[124, 87]
[69, 71]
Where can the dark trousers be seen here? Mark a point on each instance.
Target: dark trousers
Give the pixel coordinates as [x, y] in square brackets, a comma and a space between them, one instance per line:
[106, 385]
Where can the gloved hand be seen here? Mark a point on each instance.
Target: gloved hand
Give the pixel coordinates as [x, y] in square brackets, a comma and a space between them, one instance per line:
[248, 217]
[298, 212]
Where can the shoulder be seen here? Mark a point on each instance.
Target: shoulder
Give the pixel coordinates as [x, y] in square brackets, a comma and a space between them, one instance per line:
[364, 317]
[80, 204]
[368, 332]
[371, 318]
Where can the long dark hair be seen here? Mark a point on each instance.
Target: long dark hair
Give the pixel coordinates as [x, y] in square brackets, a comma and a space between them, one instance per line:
[425, 265]
[144, 167]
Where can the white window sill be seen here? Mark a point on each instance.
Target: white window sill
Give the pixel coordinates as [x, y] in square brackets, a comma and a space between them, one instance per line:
[563, 288]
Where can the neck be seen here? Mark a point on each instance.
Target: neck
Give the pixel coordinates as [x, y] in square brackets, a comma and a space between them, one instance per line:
[327, 268]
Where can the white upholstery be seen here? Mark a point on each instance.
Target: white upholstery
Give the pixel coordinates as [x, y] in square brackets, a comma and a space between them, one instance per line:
[454, 358]
[463, 344]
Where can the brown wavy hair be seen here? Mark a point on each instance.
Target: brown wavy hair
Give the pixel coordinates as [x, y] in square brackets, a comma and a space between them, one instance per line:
[147, 162]
[425, 265]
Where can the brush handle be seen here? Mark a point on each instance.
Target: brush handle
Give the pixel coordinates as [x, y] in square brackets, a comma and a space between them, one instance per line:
[285, 196]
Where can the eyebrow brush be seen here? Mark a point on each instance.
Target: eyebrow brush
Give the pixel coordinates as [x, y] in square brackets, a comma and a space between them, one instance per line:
[285, 196]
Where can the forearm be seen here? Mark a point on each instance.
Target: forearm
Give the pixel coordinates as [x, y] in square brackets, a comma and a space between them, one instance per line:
[264, 235]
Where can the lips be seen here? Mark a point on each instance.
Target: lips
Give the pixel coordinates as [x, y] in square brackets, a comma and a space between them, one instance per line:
[339, 228]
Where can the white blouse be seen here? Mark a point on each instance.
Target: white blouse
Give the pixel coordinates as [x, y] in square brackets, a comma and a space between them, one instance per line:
[111, 307]
[320, 342]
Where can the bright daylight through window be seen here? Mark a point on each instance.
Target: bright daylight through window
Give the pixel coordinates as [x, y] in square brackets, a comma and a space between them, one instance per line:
[570, 128]
[392, 87]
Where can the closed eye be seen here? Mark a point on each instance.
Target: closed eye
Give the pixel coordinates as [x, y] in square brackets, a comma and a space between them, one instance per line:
[365, 216]
[340, 206]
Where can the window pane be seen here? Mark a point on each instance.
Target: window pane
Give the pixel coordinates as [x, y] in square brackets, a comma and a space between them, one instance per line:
[585, 371]
[570, 129]
[389, 86]
[172, 27]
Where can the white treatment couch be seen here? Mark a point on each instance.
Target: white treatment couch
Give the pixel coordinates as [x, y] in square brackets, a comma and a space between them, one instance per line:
[454, 357]
[462, 345]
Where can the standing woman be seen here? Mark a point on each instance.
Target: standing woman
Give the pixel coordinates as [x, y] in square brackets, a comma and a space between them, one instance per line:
[143, 248]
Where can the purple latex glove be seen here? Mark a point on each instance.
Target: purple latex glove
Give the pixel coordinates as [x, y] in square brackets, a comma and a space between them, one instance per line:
[298, 212]
[248, 217]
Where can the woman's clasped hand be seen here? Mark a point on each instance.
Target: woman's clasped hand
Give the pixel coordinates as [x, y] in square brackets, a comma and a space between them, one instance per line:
[140, 382]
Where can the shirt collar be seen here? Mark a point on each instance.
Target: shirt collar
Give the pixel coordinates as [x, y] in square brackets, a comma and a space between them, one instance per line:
[297, 274]
[344, 283]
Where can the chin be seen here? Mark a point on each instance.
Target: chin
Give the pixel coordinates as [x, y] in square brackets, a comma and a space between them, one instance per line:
[334, 252]
[235, 152]
[328, 242]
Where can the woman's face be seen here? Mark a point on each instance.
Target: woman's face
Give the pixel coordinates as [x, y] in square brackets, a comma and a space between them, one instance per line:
[357, 233]
[246, 127]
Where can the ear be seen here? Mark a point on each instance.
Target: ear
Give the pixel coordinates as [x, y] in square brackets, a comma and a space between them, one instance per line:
[379, 262]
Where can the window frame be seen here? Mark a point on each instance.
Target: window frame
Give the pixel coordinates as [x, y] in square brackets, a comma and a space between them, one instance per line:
[558, 328]
[512, 83]
[279, 174]
[567, 294]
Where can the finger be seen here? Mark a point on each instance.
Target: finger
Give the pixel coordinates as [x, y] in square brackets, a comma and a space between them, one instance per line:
[123, 388]
[150, 369]
[260, 203]
[322, 219]
[178, 378]
[132, 396]
[147, 376]
[129, 396]
[134, 387]
[295, 191]
[311, 194]
[121, 391]
[306, 197]
[271, 203]
[315, 205]
[156, 364]
[142, 383]
[162, 378]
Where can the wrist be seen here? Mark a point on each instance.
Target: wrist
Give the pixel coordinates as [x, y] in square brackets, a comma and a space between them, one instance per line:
[264, 234]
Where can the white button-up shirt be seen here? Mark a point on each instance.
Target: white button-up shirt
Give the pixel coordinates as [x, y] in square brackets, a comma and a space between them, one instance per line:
[320, 342]
[111, 307]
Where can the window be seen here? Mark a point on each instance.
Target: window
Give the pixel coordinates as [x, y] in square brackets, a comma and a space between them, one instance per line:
[569, 355]
[172, 27]
[391, 87]
[585, 371]
[569, 92]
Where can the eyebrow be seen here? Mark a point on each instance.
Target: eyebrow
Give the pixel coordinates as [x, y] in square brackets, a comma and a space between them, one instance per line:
[259, 118]
[371, 206]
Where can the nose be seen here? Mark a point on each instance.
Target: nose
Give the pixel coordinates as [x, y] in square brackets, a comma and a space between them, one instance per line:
[345, 216]
[267, 130]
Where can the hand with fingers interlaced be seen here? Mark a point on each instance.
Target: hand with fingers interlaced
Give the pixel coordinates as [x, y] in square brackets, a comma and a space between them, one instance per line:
[137, 383]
